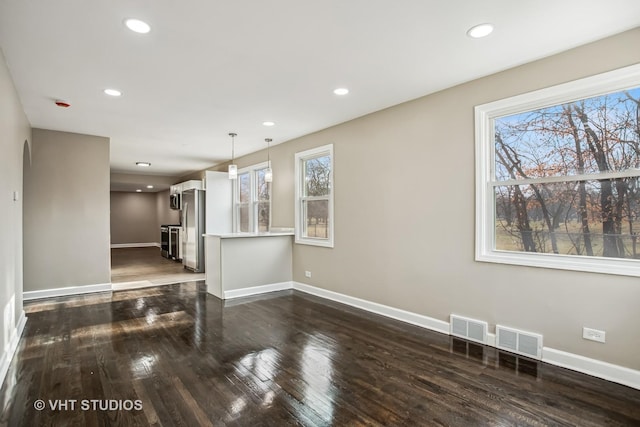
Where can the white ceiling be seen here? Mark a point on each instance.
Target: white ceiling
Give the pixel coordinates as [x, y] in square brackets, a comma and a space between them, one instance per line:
[211, 67]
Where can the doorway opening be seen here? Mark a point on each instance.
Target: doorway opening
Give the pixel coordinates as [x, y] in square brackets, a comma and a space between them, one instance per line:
[136, 241]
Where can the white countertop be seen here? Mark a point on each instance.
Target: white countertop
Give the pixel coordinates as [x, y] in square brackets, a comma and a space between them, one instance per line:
[243, 235]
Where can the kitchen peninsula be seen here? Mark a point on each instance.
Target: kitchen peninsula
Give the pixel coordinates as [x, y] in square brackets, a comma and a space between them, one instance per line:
[238, 262]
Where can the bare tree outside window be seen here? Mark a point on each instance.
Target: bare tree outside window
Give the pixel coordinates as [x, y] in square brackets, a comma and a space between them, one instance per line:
[317, 175]
[263, 201]
[244, 183]
[314, 223]
[252, 195]
[567, 178]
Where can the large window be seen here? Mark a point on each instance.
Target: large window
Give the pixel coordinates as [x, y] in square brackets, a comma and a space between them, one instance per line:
[252, 200]
[558, 176]
[314, 196]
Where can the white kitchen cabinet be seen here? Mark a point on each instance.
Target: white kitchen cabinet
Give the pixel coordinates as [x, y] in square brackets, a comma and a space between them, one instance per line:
[187, 185]
[190, 185]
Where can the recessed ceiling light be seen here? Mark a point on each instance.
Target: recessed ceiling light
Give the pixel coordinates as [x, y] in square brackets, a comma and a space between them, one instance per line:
[137, 26]
[341, 91]
[138, 191]
[480, 31]
[149, 186]
[268, 123]
[143, 164]
[113, 92]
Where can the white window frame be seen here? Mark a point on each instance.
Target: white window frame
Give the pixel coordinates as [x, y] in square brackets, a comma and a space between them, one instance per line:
[601, 84]
[253, 198]
[325, 150]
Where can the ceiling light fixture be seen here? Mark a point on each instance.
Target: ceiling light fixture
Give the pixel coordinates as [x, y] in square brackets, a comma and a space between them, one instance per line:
[233, 168]
[268, 123]
[143, 164]
[149, 186]
[138, 191]
[268, 173]
[112, 92]
[481, 30]
[341, 91]
[137, 25]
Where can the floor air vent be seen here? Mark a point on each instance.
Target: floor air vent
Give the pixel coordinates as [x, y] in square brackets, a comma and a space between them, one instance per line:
[520, 342]
[470, 329]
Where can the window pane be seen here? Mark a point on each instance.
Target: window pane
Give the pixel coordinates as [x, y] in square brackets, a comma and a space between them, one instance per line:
[264, 209]
[317, 173]
[588, 136]
[314, 196]
[244, 185]
[316, 218]
[589, 218]
[262, 186]
[243, 217]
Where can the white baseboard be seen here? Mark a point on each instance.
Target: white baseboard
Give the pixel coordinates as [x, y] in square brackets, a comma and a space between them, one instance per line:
[575, 362]
[597, 368]
[70, 290]
[134, 245]
[384, 310]
[10, 351]
[106, 287]
[256, 290]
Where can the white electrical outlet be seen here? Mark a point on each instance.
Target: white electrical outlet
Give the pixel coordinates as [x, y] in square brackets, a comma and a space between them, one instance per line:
[593, 334]
[307, 274]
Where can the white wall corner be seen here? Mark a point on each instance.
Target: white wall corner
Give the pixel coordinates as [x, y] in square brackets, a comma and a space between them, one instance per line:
[10, 351]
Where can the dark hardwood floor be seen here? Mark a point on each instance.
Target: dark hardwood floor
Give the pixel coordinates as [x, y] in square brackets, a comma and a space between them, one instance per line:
[285, 358]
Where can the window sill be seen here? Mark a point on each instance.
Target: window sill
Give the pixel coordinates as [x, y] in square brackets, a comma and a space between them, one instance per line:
[615, 266]
[314, 242]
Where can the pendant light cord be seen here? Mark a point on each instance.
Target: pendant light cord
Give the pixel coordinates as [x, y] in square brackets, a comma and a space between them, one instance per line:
[268, 151]
[233, 146]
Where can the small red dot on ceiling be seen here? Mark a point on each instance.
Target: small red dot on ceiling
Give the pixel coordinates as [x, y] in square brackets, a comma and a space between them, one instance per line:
[62, 104]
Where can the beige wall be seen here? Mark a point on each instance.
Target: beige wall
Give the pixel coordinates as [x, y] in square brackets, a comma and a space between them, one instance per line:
[404, 217]
[14, 132]
[136, 217]
[133, 218]
[66, 221]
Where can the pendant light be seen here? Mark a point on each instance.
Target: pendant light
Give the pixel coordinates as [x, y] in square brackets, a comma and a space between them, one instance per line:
[268, 173]
[233, 168]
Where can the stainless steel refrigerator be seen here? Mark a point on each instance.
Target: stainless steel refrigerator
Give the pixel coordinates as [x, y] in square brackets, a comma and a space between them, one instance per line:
[193, 220]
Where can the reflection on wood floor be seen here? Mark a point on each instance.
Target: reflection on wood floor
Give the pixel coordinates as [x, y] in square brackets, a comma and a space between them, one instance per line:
[285, 358]
[139, 267]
